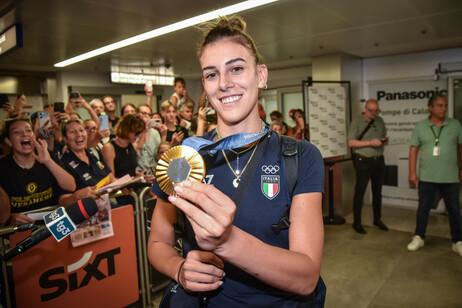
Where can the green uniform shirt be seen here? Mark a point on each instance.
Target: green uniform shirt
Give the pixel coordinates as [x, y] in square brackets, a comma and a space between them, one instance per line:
[443, 168]
[376, 131]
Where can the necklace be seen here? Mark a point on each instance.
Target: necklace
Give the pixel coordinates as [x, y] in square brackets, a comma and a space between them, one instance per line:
[263, 125]
[243, 151]
[27, 166]
[238, 173]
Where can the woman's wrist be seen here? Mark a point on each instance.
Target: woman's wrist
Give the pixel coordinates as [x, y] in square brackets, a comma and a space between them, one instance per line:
[178, 275]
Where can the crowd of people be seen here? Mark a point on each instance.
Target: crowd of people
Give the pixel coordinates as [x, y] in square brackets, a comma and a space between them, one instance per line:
[53, 157]
[93, 153]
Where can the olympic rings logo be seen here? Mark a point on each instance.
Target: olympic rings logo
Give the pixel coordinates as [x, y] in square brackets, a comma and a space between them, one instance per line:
[270, 169]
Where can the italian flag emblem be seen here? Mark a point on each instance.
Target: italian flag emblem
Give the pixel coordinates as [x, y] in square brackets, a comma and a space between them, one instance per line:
[270, 185]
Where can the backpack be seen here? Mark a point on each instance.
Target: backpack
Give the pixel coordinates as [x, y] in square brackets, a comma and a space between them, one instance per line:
[291, 155]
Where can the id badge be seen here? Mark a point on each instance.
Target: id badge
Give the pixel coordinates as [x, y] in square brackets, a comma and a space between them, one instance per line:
[436, 151]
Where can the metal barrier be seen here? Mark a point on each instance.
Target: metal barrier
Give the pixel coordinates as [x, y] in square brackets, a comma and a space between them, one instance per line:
[141, 246]
[145, 287]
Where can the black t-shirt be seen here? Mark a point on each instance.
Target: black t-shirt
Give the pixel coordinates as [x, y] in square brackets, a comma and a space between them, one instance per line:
[178, 128]
[28, 189]
[86, 175]
[125, 160]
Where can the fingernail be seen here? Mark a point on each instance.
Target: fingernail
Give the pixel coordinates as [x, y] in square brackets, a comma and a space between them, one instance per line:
[172, 199]
[178, 188]
[187, 184]
[220, 282]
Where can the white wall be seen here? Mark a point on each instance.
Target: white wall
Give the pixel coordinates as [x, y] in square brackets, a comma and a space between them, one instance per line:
[412, 66]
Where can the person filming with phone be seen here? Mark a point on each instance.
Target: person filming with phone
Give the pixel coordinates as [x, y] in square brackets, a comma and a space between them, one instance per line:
[175, 133]
[367, 137]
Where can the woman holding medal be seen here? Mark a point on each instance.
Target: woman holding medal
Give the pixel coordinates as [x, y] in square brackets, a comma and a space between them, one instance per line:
[232, 257]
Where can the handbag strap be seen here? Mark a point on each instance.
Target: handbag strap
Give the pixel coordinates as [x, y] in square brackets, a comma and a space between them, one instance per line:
[248, 175]
[366, 129]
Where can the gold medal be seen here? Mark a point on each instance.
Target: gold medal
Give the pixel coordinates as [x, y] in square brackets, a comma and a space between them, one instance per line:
[179, 164]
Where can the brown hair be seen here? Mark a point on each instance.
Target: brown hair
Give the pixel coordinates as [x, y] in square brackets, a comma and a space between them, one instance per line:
[127, 124]
[8, 122]
[65, 124]
[233, 29]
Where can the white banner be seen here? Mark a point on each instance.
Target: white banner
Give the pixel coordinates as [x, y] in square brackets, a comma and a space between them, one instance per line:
[402, 105]
[327, 120]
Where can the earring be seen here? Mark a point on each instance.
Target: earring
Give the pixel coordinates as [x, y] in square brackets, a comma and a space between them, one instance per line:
[266, 86]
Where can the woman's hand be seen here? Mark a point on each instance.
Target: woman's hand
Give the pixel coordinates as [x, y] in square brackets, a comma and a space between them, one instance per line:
[42, 155]
[8, 108]
[210, 212]
[177, 137]
[19, 219]
[202, 113]
[87, 192]
[202, 271]
[104, 132]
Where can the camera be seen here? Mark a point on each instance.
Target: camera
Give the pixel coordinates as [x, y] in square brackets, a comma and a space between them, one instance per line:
[74, 95]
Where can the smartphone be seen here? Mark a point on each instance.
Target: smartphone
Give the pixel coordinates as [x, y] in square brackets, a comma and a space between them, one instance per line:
[44, 119]
[157, 122]
[150, 123]
[385, 140]
[149, 86]
[74, 95]
[3, 100]
[58, 107]
[104, 120]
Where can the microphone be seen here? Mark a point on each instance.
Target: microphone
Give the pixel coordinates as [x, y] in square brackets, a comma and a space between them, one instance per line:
[59, 223]
[13, 229]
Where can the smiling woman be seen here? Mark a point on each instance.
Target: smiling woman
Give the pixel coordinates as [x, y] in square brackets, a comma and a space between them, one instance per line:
[87, 168]
[229, 248]
[31, 180]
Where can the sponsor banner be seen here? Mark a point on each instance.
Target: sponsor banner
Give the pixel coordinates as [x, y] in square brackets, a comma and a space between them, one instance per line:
[99, 274]
[402, 105]
[327, 119]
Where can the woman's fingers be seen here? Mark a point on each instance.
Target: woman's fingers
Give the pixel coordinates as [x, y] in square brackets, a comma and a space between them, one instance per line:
[201, 271]
[199, 219]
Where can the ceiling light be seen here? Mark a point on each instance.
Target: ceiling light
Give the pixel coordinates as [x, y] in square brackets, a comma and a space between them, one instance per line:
[239, 7]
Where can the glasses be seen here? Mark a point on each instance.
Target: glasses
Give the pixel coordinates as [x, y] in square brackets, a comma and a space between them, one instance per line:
[374, 110]
[146, 113]
[92, 129]
[109, 102]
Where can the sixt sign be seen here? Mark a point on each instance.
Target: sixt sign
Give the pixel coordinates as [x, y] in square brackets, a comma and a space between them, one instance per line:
[61, 279]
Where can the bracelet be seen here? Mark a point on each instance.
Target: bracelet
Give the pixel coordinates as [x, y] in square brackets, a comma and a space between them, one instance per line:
[178, 275]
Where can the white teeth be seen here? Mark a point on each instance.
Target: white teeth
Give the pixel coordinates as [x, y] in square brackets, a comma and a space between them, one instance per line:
[230, 99]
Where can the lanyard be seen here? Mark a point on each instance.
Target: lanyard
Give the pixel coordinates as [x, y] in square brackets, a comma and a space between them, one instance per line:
[230, 142]
[437, 138]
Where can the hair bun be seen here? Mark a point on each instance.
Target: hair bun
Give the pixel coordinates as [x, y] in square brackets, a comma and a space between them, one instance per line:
[237, 23]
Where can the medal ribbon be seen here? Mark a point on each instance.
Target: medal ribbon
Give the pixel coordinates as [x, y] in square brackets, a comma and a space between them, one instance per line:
[230, 142]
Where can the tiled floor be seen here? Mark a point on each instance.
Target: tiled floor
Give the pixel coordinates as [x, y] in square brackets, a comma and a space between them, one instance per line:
[376, 270]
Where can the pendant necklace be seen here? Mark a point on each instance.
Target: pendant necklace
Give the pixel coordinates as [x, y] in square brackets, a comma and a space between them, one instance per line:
[239, 173]
[27, 166]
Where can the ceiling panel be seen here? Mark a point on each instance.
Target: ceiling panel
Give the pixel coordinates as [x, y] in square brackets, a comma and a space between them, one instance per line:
[288, 32]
